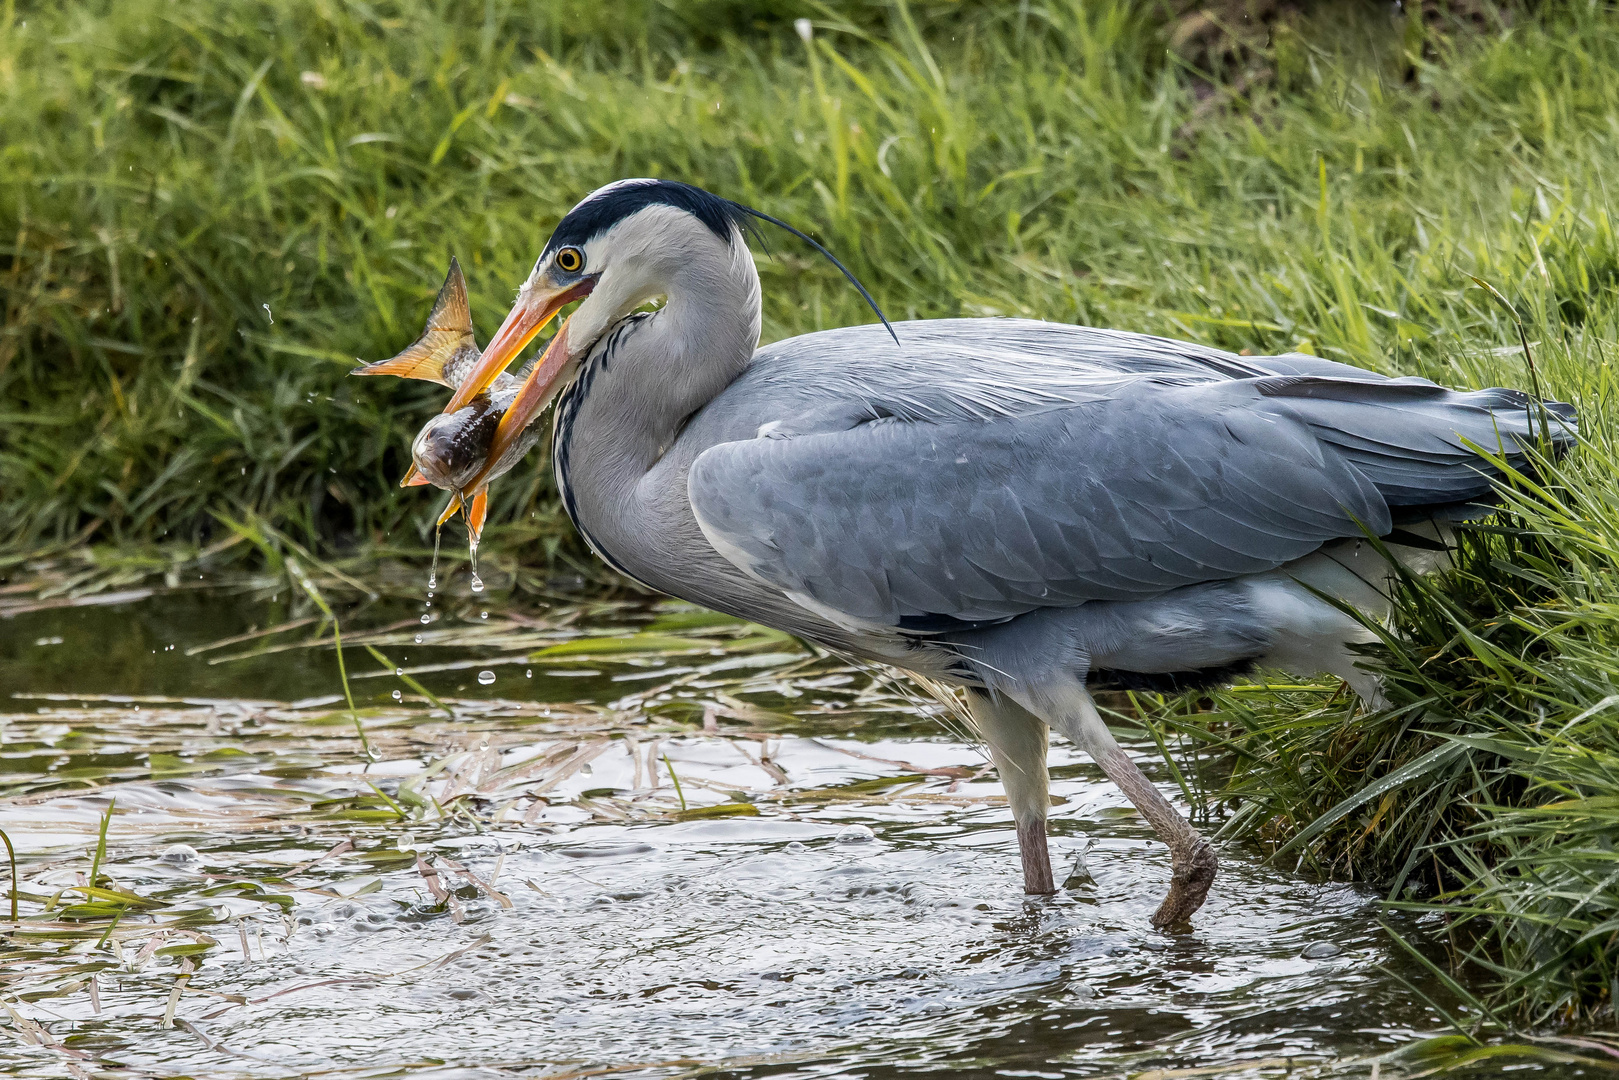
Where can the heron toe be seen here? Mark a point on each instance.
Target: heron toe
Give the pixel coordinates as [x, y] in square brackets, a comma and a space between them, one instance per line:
[1188, 885]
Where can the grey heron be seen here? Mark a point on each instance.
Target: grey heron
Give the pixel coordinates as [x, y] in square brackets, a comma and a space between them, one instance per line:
[1024, 509]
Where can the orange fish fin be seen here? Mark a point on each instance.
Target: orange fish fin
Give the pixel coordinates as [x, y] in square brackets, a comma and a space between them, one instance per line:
[451, 311]
[479, 511]
[451, 510]
[438, 355]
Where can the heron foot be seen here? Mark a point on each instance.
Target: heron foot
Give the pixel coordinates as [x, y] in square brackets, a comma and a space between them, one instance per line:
[1188, 885]
[1031, 842]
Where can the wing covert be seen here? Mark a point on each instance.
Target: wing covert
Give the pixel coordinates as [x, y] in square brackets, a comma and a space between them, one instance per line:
[898, 523]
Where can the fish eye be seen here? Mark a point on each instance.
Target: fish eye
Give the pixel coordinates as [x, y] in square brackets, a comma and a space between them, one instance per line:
[570, 260]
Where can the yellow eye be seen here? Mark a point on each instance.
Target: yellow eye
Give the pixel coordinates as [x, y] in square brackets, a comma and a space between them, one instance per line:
[570, 259]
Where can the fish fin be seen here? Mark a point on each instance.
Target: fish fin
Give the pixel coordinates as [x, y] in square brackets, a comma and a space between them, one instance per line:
[451, 510]
[479, 510]
[447, 337]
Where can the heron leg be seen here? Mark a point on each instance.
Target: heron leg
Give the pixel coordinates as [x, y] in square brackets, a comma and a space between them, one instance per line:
[1017, 745]
[1074, 714]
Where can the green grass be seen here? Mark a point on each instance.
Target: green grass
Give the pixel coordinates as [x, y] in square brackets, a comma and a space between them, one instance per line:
[180, 174]
[1489, 789]
[213, 209]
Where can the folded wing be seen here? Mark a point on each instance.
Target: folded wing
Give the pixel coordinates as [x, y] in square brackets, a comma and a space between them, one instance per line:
[925, 525]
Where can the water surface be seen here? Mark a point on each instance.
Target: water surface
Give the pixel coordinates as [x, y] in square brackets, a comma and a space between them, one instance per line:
[515, 886]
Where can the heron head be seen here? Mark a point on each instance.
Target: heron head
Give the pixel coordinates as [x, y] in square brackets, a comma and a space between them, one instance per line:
[616, 250]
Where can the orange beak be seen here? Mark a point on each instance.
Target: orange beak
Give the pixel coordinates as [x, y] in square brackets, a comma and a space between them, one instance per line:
[534, 308]
[532, 398]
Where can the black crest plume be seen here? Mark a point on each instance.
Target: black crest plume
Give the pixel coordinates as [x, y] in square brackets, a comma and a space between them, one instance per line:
[612, 204]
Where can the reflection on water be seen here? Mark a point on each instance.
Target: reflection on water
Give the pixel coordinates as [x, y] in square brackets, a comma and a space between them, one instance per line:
[518, 887]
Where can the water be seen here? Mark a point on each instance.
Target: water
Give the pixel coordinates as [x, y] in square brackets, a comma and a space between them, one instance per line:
[840, 895]
[432, 572]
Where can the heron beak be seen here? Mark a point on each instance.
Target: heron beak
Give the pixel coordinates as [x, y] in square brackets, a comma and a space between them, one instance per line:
[534, 308]
[533, 396]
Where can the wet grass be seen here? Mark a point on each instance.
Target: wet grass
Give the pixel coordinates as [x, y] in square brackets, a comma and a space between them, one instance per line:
[214, 209]
[1487, 790]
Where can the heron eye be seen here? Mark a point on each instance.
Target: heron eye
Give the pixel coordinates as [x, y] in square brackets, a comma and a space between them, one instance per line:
[570, 259]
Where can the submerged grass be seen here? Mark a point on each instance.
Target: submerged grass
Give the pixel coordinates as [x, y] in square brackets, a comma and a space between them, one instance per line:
[214, 208]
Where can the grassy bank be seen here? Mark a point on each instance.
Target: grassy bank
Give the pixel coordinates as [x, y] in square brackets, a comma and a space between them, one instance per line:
[214, 208]
[1488, 791]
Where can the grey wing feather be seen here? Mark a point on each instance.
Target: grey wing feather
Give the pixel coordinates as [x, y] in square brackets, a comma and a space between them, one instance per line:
[900, 523]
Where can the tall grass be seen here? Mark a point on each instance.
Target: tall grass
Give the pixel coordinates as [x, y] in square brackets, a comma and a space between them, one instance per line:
[212, 209]
[1489, 789]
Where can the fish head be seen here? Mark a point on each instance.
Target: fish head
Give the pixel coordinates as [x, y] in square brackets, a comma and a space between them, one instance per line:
[452, 448]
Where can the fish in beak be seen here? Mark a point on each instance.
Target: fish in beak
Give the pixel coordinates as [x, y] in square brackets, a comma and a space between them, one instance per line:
[536, 385]
[536, 306]
[467, 447]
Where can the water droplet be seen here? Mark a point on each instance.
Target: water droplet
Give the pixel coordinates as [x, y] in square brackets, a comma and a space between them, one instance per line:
[529, 674]
[266, 308]
[418, 639]
[485, 678]
[477, 582]
[855, 834]
[483, 614]
[179, 854]
[399, 671]
[795, 847]
[427, 603]
[398, 696]
[426, 618]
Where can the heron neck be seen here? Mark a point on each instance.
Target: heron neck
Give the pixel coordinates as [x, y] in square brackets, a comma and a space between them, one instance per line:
[647, 376]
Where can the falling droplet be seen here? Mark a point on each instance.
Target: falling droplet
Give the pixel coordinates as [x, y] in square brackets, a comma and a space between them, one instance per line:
[426, 618]
[529, 674]
[418, 639]
[399, 671]
[483, 614]
[398, 696]
[485, 678]
[477, 582]
[267, 312]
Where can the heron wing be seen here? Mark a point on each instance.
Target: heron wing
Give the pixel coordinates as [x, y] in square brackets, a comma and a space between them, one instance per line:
[925, 525]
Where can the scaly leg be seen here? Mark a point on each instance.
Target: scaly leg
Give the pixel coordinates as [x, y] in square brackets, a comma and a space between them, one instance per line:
[1069, 708]
[1017, 745]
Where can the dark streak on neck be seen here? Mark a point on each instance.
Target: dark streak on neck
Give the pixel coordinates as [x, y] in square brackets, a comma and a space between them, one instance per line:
[573, 398]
